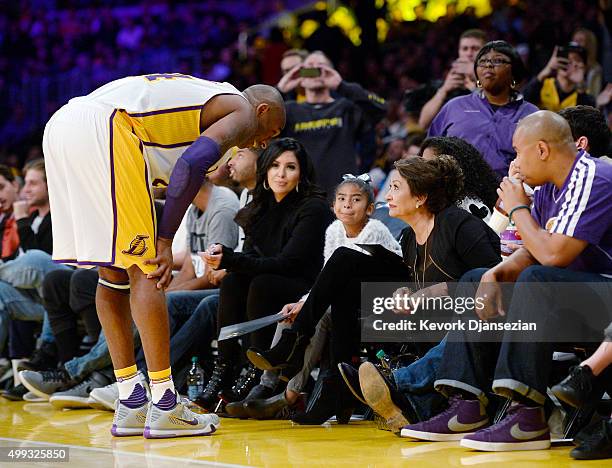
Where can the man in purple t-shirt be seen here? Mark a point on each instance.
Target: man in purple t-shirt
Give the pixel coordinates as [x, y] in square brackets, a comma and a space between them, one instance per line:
[562, 283]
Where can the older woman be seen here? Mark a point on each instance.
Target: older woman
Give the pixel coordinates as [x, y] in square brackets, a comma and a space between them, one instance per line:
[487, 117]
[284, 226]
[442, 242]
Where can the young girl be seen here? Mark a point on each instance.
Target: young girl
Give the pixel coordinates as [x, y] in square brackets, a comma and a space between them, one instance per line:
[353, 205]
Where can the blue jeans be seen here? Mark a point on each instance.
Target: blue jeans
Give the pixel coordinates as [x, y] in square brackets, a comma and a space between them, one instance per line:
[416, 382]
[20, 291]
[501, 360]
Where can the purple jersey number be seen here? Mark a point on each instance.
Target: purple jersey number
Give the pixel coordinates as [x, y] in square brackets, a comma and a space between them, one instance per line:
[167, 76]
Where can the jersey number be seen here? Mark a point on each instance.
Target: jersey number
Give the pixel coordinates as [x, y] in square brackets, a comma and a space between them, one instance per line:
[166, 76]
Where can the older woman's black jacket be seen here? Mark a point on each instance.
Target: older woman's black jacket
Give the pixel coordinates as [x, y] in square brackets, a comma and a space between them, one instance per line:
[287, 239]
[459, 242]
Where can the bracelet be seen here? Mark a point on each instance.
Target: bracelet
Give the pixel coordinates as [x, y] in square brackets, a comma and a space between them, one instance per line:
[519, 207]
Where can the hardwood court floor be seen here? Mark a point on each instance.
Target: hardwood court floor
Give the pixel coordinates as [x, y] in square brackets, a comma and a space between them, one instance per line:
[246, 443]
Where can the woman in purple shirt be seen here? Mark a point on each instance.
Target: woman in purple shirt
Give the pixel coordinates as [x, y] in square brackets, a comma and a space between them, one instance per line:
[487, 117]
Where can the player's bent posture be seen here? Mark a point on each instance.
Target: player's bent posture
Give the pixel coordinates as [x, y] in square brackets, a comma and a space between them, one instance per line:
[104, 152]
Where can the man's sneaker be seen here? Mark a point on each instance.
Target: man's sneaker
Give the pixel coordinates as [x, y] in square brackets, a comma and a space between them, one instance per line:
[598, 445]
[579, 387]
[382, 395]
[104, 398]
[178, 420]
[78, 396]
[46, 383]
[461, 418]
[130, 418]
[523, 428]
[32, 398]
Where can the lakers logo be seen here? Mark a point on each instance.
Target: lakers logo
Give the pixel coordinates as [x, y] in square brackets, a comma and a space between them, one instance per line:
[138, 246]
[550, 223]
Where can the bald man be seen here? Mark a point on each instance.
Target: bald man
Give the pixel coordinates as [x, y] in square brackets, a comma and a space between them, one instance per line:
[104, 153]
[560, 284]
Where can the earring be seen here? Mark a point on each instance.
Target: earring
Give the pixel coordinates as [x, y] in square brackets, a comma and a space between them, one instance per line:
[513, 84]
[418, 205]
[478, 84]
[265, 186]
[297, 187]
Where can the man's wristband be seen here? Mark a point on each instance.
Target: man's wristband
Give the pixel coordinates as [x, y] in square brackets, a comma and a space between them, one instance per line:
[519, 207]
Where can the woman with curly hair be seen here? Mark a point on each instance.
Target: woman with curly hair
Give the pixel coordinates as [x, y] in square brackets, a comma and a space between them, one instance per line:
[480, 182]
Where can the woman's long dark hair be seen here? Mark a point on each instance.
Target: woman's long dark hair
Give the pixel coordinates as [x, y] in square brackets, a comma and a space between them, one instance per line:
[263, 198]
[480, 180]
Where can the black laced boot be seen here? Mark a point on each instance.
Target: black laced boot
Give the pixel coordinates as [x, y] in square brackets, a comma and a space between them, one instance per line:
[220, 381]
[233, 399]
[288, 354]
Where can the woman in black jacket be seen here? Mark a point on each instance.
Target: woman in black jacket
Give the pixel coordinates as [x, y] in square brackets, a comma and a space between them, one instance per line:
[284, 227]
[441, 243]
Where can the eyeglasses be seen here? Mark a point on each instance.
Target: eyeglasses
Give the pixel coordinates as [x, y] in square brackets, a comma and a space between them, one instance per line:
[493, 62]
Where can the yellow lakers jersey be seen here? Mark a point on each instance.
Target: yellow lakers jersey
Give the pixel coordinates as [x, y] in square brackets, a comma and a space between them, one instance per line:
[163, 111]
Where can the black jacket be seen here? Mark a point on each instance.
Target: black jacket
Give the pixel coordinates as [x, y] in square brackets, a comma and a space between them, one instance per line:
[460, 242]
[330, 131]
[287, 239]
[43, 240]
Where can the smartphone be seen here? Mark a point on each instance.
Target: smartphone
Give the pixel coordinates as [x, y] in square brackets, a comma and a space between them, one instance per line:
[562, 52]
[310, 72]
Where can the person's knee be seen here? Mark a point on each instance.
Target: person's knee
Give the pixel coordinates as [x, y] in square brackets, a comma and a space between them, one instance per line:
[54, 280]
[473, 275]
[536, 273]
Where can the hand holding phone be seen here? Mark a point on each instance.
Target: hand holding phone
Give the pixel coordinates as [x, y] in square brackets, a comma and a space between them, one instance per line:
[310, 72]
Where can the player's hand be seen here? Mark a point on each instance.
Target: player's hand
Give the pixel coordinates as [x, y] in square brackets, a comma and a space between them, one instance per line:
[291, 311]
[213, 256]
[489, 294]
[163, 261]
[331, 78]
[21, 209]
[290, 80]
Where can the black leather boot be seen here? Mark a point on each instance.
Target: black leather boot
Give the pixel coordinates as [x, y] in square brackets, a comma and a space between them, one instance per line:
[288, 354]
[333, 398]
[220, 381]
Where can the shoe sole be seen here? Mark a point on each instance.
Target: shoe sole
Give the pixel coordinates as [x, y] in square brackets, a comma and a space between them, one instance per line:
[169, 433]
[378, 397]
[505, 446]
[433, 436]
[97, 405]
[260, 362]
[33, 389]
[126, 431]
[61, 402]
[31, 398]
[101, 404]
[350, 387]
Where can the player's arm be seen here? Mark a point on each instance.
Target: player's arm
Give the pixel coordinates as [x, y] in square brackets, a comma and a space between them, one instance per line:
[234, 124]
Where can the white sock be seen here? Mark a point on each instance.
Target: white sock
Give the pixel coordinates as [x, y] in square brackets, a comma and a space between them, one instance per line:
[126, 386]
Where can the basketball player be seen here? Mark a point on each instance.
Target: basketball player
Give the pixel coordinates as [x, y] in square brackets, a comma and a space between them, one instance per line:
[104, 153]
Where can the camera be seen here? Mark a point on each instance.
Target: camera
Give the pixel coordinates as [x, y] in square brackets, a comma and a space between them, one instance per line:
[310, 72]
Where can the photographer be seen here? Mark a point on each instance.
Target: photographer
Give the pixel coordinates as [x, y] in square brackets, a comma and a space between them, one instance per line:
[329, 126]
[560, 84]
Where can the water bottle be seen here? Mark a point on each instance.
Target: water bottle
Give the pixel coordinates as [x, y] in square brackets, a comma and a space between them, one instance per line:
[385, 361]
[509, 236]
[195, 379]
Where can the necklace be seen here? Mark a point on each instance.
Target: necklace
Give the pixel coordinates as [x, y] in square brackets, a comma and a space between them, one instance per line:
[421, 284]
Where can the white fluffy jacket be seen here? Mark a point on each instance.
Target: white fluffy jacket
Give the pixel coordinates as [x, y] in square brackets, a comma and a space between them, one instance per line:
[374, 232]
